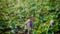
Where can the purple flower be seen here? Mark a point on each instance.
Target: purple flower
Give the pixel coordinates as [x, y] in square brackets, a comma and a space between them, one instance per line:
[3, 14]
[51, 22]
[30, 23]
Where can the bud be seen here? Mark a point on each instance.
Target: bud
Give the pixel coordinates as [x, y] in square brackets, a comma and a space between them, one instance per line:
[58, 9]
[12, 31]
[10, 26]
[44, 24]
[6, 19]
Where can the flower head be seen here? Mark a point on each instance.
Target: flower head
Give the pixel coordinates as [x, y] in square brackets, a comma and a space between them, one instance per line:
[3, 14]
[52, 22]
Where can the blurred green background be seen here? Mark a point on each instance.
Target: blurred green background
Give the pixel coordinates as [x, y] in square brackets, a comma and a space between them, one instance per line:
[15, 12]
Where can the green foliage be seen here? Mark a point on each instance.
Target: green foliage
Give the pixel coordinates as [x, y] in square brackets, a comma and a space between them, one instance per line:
[15, 13]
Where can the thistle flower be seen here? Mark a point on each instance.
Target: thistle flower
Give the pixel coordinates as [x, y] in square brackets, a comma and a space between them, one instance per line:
[51, 22]
[29, 23]
[3, 14]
